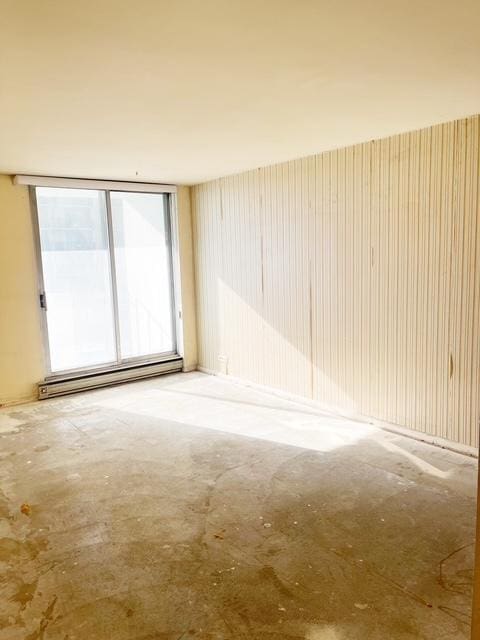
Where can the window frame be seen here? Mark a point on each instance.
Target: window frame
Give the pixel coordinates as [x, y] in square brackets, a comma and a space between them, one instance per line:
[170, 203]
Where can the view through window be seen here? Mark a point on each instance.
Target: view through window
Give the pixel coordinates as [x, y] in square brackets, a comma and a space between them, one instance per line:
[107, 277]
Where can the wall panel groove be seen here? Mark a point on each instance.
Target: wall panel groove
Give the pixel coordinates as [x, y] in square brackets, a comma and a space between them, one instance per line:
[351, 278]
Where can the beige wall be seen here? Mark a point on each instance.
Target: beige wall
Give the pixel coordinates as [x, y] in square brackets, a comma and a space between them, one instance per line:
[187, 279]
[21, 354]
[21, 350]
[351, 278]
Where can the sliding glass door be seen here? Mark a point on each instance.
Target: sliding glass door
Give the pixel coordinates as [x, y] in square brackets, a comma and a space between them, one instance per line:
[142, 267]
[107, 277]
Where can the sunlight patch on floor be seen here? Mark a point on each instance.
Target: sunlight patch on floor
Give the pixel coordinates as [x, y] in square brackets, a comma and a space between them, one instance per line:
[328, 632]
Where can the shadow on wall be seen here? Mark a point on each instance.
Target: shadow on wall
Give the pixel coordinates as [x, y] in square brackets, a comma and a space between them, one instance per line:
[349, 278]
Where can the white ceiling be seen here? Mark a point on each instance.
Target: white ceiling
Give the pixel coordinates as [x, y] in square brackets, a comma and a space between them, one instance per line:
[186, 90]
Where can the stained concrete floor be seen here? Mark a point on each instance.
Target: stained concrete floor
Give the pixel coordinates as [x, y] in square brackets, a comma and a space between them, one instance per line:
[190, 507]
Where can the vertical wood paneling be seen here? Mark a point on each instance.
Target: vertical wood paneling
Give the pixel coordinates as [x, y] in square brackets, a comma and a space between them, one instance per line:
[351, 278]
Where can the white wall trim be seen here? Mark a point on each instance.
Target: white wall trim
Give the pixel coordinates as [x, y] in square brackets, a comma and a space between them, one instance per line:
[81, 183]
[443, 443]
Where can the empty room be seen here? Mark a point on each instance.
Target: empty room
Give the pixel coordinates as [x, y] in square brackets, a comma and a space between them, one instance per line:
[239, 319]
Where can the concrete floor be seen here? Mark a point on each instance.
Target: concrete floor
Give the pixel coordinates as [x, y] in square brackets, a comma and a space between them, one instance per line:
[190, 507]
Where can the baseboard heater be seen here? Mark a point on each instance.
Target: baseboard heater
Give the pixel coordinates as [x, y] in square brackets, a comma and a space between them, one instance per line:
[60, 386]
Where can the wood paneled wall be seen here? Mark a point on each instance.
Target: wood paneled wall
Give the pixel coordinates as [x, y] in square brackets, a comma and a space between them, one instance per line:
[351, 278]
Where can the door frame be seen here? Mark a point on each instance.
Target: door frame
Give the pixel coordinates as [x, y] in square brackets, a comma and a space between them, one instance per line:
[169, 194]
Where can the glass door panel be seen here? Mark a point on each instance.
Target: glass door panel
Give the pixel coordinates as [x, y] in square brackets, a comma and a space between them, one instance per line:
[77, 278]
[141, 240]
